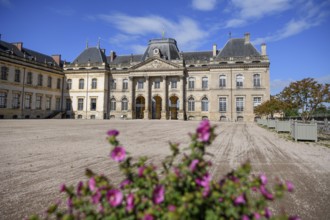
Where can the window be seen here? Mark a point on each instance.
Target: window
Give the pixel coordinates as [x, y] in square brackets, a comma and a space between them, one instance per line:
[58, 84]
[68, 104]
[113, 84]
[157, 84]
[38, 101]
[191, 83]
[40, 78]
[239, 80]
[4, 73]
[256, 80]
[140, 84]
[69, 84]
[204, 82]
[58, 104]
[113, 104]
[49, 82]
[17, 76]
[239, 104]
[80, 104]
[222, 104]
[29, 78]
[16, 100]
[125, 84]
[124, 105]
[205, 104]
[222, 81]
[92, 116]
[93, 104]
[3, 100]
[81, 83]
[191, 104]
[94, 83]
[28, 101]
[79, 116]
[256, 101]
[48, 102]
[173, 83]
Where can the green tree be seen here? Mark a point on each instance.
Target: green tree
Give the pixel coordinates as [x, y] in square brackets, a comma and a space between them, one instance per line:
[305, 95]
[270, 107]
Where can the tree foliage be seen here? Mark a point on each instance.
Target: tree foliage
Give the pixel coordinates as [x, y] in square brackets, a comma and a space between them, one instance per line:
[305, 95]
[270, 107]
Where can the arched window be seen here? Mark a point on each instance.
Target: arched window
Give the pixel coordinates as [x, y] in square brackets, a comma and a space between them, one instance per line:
[124, 104]
[191, 104]
[81, 83]
[69, 84]
[113, 104]
[94, 83]
[205, 104]
[256, 80]
[222, 81]
[205, 82]
[239, 80]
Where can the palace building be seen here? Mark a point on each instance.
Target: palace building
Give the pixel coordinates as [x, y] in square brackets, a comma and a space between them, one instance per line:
[162, 83]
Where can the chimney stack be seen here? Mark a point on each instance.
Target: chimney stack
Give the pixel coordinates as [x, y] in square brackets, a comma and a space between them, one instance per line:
[19, 45]
[112, 55]
[263, 49]
[57, 59]
[214, 50]
[247, 38]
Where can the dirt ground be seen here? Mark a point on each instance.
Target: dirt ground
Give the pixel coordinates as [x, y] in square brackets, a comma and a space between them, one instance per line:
[36, 156]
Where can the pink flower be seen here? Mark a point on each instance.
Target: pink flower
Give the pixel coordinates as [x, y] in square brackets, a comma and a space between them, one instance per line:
[118, 154]
[177, 171]
[204, 131]
[92, 184]
[148, 217]
[268, 213]
[79, 188]
[257, 216]
[289, 186]
[125, 183]
[265, 193]
[130, 202]
[96, 197]
[204, 182]
[171, 208]
[158, 194]
[141, 170]
[240, 200]
[220, 199]
[114, 197]
[193, 165]
[245, 217]
[113, 133]
[62, 188]
[263, 179]
[69, 203]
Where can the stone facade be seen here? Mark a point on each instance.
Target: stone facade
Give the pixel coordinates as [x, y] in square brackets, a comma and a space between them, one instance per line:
[164, 83]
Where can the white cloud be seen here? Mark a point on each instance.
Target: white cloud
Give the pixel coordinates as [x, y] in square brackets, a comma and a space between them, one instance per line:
[277, 85]
[186, 31]
[204, 5]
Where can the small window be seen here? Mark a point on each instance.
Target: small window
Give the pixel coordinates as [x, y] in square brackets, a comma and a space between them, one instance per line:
[81, 83]
[174, 84]
[256, 80]
[113, 104]
[239, 80]
[191, 83]
[222, 81]
[58, 85]
[191, 104]
[79, 116]
[3, 100]
[4, 73]
[204, 82]
[92, 116]
[16, 100]
[239, 104]
[124, 104]
[125, 84]
[69, 84]
[29, 78]
[157, 84]
[113, 84]
[17, 75]
[40, 79]
[38, 101]
[205, 104]
[28, 101]
[80, 104]
[94, 83]
[48, 102]
[140, 84]
[49, 82]
[222, 104]
[93, 104]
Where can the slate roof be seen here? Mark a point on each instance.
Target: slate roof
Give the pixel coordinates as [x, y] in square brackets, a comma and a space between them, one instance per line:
[201, 55]
[27, 53]
[167, 46]
[238, 48]
[125, 59]
[92, 55]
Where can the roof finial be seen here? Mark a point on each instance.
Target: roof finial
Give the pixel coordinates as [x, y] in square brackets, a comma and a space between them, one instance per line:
[229, 34]
[86, 44]
[163, 34]
[98, 43]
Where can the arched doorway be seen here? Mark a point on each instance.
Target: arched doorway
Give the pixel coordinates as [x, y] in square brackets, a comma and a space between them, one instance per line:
[174, 107]
[156, 107]
[139, 107]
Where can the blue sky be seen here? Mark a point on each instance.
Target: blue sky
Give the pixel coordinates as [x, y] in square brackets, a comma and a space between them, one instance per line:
[297, 32]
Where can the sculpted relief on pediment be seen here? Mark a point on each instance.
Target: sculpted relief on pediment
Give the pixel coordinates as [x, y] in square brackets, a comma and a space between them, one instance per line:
[156, 64]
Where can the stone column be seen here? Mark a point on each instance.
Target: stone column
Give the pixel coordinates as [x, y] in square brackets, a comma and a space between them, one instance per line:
[165, 99]
[131, 100]
[147, 99]
[181, 99]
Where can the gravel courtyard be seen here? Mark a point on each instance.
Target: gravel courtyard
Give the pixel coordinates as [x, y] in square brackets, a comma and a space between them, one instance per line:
[36, 156]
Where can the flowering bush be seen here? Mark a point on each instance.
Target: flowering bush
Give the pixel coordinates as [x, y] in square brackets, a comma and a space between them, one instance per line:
[182, 190]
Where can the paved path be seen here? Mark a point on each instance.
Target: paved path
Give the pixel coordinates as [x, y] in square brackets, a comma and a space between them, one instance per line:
[36, 156]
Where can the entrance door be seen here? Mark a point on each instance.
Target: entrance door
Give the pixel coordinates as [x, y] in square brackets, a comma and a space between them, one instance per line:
[174, 107]
[139, 107]
[156, 107]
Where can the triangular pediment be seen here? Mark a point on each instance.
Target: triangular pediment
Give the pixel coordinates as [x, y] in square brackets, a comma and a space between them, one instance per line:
[155, 63]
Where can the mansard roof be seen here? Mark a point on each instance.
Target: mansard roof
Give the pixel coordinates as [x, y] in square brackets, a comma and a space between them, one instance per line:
[91, 55]
[200, 55]
[125, 59]
[237, 47]
[167, 48]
